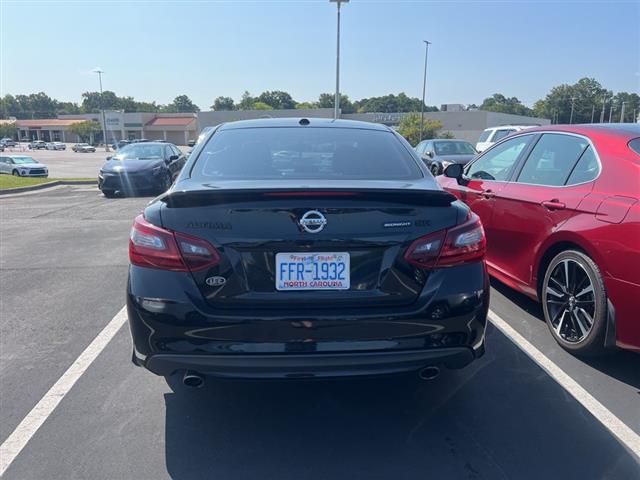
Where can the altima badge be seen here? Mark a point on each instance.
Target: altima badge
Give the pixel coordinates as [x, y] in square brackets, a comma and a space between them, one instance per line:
[216, 281]
[313, 221]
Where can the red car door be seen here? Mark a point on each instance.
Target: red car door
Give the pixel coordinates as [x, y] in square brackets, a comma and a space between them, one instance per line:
[546, 192]
[487, 176]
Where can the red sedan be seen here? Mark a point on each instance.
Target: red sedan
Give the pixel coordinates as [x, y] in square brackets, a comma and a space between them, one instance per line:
[561, 209]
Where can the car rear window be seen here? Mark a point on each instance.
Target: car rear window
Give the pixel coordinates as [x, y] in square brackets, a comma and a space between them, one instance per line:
[635, 145]
[305, 153]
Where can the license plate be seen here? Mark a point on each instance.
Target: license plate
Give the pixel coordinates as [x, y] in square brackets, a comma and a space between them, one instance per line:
[312, 271]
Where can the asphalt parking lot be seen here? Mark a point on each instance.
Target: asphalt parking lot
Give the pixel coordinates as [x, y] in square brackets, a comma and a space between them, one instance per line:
[67, 163]
[63, 270]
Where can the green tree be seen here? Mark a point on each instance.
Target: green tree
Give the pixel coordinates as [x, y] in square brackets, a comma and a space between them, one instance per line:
[8, 130]
[93, 102]
[631, 104]
[392, 103]
[327, 100]
[587, 96]
[278, 99]
[67, 108]
[447, 134]
[261, 106]
[499, 103]
[246, 102]
[306, 105]
[85, 129]
[409, 128]
[10, 107]
[223, 103]
[181, 104]
[149, 107]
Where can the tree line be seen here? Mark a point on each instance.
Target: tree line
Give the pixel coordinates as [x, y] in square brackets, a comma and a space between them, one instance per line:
[40, 105]
[583, 102]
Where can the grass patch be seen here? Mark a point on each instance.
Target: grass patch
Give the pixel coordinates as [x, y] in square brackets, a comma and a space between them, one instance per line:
[9, 181]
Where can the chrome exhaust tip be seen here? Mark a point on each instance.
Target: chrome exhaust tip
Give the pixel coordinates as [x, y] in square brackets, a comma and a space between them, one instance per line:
[192, 379]
[429, 373]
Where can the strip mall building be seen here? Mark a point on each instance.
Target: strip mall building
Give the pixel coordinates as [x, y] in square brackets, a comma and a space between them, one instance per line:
[176, 128]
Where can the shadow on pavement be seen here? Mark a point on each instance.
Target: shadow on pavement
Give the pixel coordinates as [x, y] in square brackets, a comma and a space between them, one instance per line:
[618, 363]
[501, 417]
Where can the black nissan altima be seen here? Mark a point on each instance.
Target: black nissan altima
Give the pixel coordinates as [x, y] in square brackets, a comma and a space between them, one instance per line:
[139, 168]
[297, 248]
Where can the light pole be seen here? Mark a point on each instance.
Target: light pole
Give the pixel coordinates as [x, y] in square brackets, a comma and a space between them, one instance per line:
[424, 85]
[336, 111]
[99, 71]
[573, 101]
[593, 111]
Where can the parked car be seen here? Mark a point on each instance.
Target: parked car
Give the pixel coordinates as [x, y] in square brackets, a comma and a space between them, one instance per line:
[438, 154]
[83, 148]
[22, 166]
[55, 146]
[561, 209]
[37, 145]
[346, 259]
[7, 142]
[494, 134]
[120, 143]
[138, 168]
[1, 147]
[191, 143]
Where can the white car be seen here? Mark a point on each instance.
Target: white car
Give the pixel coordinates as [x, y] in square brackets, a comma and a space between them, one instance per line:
[495, 134]
[22, 166]
[55, 146]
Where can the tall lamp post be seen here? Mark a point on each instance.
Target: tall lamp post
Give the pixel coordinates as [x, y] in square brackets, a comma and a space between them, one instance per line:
[99, 71]
[424, 85]
[336, 111]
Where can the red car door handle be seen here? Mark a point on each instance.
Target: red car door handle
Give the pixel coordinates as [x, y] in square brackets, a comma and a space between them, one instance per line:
[554, 204]
[488, 193]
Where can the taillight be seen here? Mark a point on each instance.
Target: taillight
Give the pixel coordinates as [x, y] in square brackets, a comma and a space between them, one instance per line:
[445, 248]
[155, 247]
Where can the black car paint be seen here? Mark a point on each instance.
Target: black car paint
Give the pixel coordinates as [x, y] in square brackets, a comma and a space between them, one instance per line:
[396, 317]
[133, 177]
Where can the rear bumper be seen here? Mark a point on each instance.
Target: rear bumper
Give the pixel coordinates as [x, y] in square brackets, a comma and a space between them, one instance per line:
[310, 365]
[173, 329]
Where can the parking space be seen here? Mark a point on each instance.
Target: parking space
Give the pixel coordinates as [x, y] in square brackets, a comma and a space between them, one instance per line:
[64, 265]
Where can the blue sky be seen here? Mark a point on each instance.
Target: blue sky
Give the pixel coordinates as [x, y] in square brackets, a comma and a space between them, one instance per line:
[156, 50]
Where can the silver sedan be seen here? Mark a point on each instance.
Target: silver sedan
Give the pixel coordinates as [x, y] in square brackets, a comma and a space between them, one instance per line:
[22, 166]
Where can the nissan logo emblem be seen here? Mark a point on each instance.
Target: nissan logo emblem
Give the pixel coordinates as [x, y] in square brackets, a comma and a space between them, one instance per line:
[313, 221]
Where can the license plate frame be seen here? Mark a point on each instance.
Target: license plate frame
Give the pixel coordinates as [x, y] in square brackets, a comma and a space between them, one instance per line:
[336, 276]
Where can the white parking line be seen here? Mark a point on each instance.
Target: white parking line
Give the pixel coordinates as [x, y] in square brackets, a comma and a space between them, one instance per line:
[14, 444]
[616, 426]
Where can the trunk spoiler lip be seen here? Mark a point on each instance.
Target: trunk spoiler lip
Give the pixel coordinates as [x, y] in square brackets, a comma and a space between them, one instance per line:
[189, 197]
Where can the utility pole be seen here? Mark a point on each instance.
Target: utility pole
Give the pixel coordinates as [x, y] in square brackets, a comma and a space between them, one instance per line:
[573, 101]
[104, 122]
[336, 112]
[610, 111]
[593, 111]
[604, 103]
[424, 86]
[622, 112]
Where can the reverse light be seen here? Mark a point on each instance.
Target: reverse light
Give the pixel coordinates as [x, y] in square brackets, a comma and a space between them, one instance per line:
[154, 247]
[446, 248]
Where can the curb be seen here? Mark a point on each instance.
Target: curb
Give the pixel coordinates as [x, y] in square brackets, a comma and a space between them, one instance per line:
[43, 186]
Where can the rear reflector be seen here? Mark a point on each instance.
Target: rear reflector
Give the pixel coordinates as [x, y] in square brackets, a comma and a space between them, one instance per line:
[154, 247]
[445, 248]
